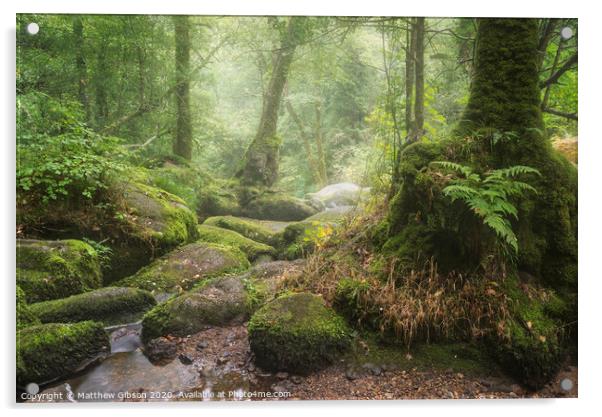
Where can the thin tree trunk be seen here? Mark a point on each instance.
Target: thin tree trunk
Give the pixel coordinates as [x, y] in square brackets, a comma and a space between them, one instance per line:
[544, 40]
[410, 75]
[80, 64]
[419, 97]
[182, 144]
[319, 145]
[102, 106]
[260, 165]
[313, 164]
[546, 95]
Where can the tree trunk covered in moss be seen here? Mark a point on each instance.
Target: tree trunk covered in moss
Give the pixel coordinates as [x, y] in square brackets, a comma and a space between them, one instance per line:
[260, 164]
[505, 97]
[505, 93]
[424, 223]
[182, 144]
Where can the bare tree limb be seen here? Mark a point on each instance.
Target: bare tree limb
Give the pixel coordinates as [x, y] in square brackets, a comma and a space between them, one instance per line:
[564, 68]
[570, 116]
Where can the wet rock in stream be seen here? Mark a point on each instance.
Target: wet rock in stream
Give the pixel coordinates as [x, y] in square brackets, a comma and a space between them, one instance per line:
[161, 350]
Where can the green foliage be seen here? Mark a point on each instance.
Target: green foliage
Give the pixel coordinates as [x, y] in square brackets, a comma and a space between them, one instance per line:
[490, 198]
[59, 157]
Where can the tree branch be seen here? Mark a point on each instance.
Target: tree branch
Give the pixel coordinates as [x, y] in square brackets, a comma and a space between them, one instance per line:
[565, 67]
[570, 116]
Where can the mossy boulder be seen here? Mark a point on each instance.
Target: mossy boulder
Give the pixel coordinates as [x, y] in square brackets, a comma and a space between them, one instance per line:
[111, 305]
[218, 301]
[299, 239]
[181, 268]
[251, 248]
[277, 206]
[47, 270]
[25, 317]
[218, 199]
[297, 333]
[249, 228]
[178, 179]
[50, 351]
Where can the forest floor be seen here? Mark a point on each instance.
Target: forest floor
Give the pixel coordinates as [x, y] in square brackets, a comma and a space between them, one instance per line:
[223, 357]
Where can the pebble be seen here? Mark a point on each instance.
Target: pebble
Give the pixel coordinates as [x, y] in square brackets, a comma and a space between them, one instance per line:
[185, 359]
[201, 345]
[281, 375]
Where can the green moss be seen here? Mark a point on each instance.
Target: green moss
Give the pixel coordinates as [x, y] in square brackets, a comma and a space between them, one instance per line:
[276, 206]
[151, 223]
[250, 247]
[218, 302]
[467, 358]
[531, 347]
[25, 317]
[183, 267]
[298, 239]
[109, 305]
[218, 199]
[247, 227]
[297, 332]
[182, 181]
[48, 270]
[49, 351]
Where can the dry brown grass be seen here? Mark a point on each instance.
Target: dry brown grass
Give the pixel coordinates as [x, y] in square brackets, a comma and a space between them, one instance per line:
[410, 305]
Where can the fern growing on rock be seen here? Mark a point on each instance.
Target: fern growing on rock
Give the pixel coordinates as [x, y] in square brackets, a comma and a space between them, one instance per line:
[490, 198]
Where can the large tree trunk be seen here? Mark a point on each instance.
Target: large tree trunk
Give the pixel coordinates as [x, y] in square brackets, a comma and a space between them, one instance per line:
[260, 165]
[80, 64]
[505, 91]
[182, 144]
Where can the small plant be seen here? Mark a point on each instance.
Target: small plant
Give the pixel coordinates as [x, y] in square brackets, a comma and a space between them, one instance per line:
[104, 252]
[490, 198]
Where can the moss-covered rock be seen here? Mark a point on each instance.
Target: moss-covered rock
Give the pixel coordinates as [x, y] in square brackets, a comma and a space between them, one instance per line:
[219, 301]
[251, 248]
[249, 228]
[25, 317]
[181, 180]
[47, 270]
[49, 351]
[218, 199]
[150, 222]
[298, 333]
[183, 267]
[277, 206]
[298, 239]
[111, 305]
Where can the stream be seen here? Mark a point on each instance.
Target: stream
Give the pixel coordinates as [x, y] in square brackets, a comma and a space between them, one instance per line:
[127, 374]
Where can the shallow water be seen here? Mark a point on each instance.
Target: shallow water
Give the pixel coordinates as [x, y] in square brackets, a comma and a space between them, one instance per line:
[127, 375]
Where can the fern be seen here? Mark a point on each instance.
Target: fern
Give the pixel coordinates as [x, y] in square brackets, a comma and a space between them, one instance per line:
[489, 197]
